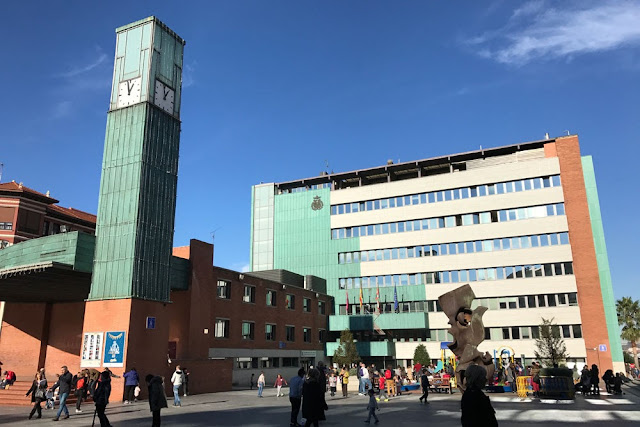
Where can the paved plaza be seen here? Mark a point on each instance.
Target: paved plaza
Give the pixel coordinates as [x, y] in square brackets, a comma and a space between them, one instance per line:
[244, 408]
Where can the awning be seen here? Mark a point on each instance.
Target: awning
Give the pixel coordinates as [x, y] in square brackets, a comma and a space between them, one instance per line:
[47, 281]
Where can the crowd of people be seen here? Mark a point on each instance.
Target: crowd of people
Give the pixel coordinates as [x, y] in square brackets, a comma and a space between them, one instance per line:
[94, 385]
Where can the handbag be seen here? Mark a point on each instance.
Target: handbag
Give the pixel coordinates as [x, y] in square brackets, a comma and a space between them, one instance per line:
[39, 394]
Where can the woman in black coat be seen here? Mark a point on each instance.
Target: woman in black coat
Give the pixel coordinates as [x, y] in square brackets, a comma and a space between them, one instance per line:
[157, 398]
[313, 404]
[101, 398]
[476, 407]
[37, 391]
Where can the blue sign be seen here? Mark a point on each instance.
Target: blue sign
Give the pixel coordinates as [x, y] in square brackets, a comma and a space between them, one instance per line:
[602, 347]
[114, 349]
[151, 322]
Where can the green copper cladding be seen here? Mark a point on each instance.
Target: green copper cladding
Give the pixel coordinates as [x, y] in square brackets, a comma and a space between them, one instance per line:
[302, 239]
[136, 210]
[606, 286]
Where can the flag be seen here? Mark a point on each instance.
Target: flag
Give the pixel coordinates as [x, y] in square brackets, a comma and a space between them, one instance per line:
[348, 312]
[395, 298]
[361, 297]
[378, 299]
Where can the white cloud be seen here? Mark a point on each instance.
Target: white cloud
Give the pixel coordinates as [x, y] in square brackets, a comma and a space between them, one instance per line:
[82, 69]
[536, 32]
[61, 109]
[187, 75]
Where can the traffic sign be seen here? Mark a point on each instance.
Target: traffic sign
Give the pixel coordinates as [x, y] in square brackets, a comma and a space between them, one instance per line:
[602, 347]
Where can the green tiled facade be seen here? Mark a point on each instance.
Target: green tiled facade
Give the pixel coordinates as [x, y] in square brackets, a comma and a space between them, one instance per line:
[606, 285]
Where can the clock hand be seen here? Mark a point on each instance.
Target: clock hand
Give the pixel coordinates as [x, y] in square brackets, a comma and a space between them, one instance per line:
[129, 87]
[166, 92]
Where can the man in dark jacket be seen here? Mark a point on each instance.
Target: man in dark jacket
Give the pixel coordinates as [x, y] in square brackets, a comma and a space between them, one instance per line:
[64, 384]
[424, 383]
[157, 398]
[476, 407]
[101, 397]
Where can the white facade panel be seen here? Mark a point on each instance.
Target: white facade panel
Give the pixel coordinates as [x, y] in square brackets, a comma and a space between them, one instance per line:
[486, 175]
[512, 287]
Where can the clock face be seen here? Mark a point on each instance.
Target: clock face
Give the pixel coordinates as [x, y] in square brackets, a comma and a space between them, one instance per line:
[129, 92]
[164, 97]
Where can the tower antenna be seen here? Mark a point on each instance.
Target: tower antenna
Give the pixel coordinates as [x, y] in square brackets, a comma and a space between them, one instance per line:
[213, 234]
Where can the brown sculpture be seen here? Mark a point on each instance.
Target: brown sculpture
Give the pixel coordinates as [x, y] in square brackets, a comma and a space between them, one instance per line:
[467, 330]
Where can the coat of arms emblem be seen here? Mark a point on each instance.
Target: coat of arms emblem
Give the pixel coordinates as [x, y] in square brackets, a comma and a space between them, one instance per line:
[317, 203]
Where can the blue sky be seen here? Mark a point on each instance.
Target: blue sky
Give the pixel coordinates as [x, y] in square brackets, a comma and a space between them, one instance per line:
[273, 89]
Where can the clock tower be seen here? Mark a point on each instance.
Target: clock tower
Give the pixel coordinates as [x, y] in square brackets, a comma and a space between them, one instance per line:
[136, 209]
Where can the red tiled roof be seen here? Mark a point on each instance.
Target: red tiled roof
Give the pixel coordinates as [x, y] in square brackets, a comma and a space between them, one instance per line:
[74, 213]
[19, 188]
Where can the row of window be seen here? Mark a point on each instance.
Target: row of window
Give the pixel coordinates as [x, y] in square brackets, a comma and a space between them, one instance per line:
[497, 303]
[222, 326]
[447, 195]
[6, 225]
[249, 296]
[266, 362]
[458, 276]
[502, 215]
[507, 243]
[513, 333]
[304, 188]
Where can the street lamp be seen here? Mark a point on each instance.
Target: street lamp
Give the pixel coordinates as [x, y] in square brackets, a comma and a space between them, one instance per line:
[598, 352]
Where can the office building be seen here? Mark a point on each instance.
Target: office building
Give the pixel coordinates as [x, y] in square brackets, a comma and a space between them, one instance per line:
[520, 223]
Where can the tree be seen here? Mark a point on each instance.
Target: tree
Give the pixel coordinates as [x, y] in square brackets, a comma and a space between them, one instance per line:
[346, 353]
[629, 318]
[421, 355]
[551, 348]
[627, 357]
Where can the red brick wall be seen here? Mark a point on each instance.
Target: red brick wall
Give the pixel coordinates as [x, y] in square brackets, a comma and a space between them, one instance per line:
[20, 339]
[585, 266]
[205, 376]
[65, 337]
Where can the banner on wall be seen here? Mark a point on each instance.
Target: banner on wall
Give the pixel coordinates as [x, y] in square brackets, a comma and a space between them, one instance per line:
[114, 350]
[91, 350]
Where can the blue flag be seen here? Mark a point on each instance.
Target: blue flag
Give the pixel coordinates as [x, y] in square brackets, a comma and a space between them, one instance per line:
[395, 299]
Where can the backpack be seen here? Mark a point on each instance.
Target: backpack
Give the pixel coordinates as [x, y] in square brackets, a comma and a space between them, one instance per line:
[80, 383]
[387, 374]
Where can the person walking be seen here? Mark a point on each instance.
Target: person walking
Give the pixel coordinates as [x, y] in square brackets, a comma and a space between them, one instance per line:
[157, 398]
[476, 406]
[313, 404]
[101, 398]
[595, 379]
[391, 384]
[366, 382]
[360, 381]
[333, 383]
[131, 381]
[344, 380]
[424, 383]
[177, 379]
[295, 396]
[185, 386]
[93, 375]
[372, 407]
[279, 383]
[37, 391]
[81, 385]
[251, 382]
[261, 383]
[64, 386]
[382, 395]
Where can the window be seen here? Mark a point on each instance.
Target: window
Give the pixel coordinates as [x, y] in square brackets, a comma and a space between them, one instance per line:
[269, 362]
[9, 226]
[535, 332]
[224, 289]
[524, 332]
[249, 294]
[577, 331]
[566, 331]
[248, 330]
[322, 336]
[271, 298]
[244, 363]
[291, 300]
[306, 305]
[221, 329]
[270, 332]
[322, 307]
[515, 333]
[505, 333]
[289, 362]
[291, 333]
[573, 299]
[306, 334]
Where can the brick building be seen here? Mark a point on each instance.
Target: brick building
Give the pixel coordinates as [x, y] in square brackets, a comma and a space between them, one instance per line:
[259, 324]
[26, 214]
